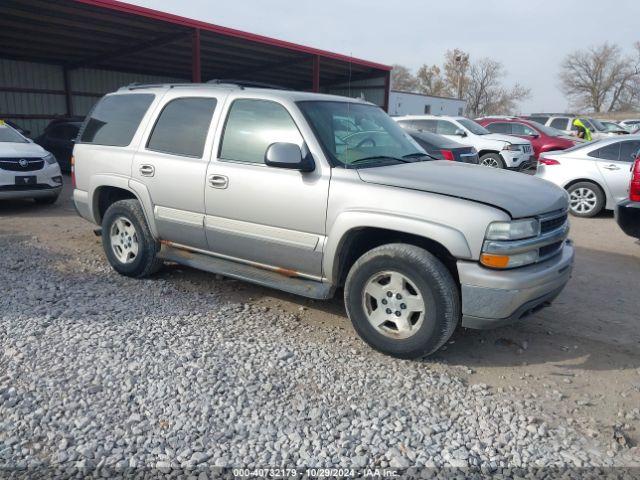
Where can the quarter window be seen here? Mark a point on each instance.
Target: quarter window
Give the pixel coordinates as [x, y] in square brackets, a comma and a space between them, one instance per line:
[253, 125]
[446, 128]
[115, 119]
[182, 127]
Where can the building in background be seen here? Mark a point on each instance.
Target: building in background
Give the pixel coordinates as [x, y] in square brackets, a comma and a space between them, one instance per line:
[408, 103]
[57, 58]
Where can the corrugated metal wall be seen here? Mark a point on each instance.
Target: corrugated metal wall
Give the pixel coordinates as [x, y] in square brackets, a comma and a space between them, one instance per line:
[371, 89]
[31, 75]
[91, 84]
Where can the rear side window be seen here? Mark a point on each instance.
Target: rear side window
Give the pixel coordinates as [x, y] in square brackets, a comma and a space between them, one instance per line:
[499, 127]
[253, 125]
[629, 151]
[608, 152]
[559, 123]
[427, 125]
[446, 128]
[115, 119]
[182, 127]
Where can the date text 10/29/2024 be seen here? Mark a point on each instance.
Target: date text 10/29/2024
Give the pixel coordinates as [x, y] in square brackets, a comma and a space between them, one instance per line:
[315, 473]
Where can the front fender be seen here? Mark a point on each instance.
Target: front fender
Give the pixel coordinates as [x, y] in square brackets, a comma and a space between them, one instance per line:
[451, 238]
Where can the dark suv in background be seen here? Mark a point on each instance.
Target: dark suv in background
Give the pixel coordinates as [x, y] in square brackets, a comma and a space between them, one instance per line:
[59, 138]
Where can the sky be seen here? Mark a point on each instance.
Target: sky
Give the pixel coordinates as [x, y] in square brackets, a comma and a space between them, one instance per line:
[530, 38]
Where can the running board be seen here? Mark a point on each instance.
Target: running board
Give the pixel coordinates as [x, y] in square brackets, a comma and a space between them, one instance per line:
[284, 281]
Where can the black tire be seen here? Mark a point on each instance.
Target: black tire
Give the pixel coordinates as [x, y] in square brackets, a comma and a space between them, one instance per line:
[433, 282]
[592, 191]
[145, 261]
[493, 158]
[46, 200]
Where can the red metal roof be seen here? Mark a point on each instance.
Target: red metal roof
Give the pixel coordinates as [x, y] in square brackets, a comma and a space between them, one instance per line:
[230, 32]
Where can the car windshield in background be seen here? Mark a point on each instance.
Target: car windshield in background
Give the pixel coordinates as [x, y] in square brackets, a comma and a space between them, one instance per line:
[9, 135]
[473, 127]
[358, 134]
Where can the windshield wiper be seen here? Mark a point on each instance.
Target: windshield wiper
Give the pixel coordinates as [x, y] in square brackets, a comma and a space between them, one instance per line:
[379, 157]
[419, 155]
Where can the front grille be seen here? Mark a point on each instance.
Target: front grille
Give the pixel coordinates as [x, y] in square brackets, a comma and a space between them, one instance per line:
[13, 164]
[526, 148]
[553, 223]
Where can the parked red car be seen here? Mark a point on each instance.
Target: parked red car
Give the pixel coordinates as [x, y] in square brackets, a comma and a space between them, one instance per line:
[542, 138]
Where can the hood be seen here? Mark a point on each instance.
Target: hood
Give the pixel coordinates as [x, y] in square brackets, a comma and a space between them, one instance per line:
[28, 150]
[504, 138]
[518, 194]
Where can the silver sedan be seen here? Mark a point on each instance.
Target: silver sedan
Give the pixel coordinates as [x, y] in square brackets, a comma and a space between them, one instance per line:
[596, 175]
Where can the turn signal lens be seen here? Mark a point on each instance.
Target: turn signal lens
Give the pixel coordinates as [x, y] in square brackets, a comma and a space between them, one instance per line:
[494, 261]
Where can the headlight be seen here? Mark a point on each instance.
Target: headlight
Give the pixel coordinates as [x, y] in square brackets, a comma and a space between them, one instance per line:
[50, 159]
[511, 147]
[516, 230]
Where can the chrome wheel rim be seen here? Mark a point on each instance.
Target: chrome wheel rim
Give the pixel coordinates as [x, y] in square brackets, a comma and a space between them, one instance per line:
[583, 200]
[124, 240]
[393, 305]
[490, 162]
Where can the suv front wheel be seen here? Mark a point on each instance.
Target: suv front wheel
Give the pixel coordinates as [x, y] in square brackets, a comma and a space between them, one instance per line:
[402, 300]
[127, 240]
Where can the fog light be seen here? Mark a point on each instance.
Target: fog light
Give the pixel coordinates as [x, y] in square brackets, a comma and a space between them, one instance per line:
[57, 179]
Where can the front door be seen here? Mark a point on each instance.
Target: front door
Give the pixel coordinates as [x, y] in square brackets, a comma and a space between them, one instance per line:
[615, 161]
[258, 214]
[172, 164]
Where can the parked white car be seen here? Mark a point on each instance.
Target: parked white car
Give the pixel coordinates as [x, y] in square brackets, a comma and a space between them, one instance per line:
[26, 169]
[596, 174]
[631, 123]
[494, 149]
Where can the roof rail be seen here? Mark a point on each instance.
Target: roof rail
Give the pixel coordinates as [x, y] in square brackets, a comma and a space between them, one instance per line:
[246, 83]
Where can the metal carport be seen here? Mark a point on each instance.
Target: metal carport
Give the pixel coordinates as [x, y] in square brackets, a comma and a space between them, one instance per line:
[58, 57]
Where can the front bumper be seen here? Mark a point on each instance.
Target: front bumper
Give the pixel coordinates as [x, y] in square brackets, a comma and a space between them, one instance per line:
[48, 183]
[491, 298]
[628, 217]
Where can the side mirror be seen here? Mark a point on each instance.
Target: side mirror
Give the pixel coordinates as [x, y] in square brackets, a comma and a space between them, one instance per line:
[460, 133]
[535, 135]
[288, 155]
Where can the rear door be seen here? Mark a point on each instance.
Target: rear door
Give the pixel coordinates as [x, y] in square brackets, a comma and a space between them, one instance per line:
[614, 163]
[172, 164]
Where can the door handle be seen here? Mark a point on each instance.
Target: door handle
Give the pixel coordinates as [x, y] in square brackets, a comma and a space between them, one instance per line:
[611, 167]
[218, 181]
[147, 170]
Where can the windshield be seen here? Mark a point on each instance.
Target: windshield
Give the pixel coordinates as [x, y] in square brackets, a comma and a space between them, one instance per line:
[353, 133]
[611, 127]
[596, 124]
[9, 135]
[473, 127]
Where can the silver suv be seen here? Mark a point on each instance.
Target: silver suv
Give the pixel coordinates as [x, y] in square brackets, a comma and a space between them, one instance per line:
[310, 193]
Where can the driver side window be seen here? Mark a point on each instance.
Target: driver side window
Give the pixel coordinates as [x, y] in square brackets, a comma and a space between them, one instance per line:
[446, 128]
[253, 125]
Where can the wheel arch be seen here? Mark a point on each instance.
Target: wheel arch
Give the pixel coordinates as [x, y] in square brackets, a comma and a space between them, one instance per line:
[358, 240]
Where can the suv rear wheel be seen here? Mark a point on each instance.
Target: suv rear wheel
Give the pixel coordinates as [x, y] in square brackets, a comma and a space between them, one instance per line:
[402, 300]
[127, 240]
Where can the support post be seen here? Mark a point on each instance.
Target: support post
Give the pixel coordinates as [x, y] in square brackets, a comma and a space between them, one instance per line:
[316, 73]
[387, 88]
[196, 64]
[68, 100]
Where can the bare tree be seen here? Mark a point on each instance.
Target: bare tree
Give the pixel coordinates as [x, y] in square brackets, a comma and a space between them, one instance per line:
[486, 95]
[402, 79]
[456, 72]
[430, 81]
[599, 77]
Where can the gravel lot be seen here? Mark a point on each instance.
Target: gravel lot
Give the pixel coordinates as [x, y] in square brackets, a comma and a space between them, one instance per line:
[185, 370]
